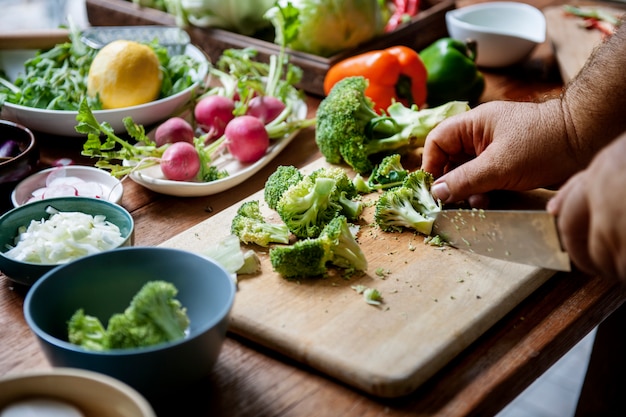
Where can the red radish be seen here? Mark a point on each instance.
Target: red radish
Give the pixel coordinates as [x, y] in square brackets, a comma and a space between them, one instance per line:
[265, 108]
[213, 113]
[180, 162]
[60, 190]
[246, 138]
[174, 129]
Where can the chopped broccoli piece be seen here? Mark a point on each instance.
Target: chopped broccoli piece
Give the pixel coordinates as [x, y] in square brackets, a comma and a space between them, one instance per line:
[395, 211]
[87, 331]
[370, 295]
[335, 245]
[281, 179]
[308, 206]
[346, 251]
[411, 205]
[250, 226]
[305, 258]
[388, 173]
[153, 316]
[348, 129]
[346, 193]
[251, 263]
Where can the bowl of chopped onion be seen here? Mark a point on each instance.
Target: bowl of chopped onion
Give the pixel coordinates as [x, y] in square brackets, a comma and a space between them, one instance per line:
[36, 237]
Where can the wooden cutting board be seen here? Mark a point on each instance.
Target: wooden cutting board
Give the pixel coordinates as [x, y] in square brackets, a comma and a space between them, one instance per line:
[436, 302]
[572, 43]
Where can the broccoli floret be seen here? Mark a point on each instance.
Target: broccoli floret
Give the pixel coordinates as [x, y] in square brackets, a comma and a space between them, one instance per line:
[250, 226]
[346, 251]
[281, 179]
[420, 182]
[395, 211]
[153, 316]
[349, 129]
[305, 258]
[388, 173]
[346, 193]
[87, 331]
[308, 206]
[335, 245]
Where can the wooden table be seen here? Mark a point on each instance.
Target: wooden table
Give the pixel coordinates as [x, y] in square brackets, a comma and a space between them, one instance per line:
[249, 380]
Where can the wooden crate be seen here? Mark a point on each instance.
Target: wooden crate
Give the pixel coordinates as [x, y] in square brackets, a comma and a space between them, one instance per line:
[428, 26]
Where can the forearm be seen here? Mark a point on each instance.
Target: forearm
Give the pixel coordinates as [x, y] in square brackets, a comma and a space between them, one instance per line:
[593, 103]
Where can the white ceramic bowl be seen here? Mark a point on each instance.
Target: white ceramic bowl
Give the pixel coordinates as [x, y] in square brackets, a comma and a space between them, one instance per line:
[63, 123]
[505, 32]
[92, 393]
[111, 188]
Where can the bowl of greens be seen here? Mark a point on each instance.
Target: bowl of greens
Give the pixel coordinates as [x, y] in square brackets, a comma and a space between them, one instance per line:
[38, 236]
[152, 317]
[44, 92]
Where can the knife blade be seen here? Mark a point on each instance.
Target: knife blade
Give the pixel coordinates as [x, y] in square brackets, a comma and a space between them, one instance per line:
[521, 236]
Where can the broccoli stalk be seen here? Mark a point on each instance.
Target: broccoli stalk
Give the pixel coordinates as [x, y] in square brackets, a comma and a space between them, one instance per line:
[411, 205]
[309, 257]
[349, 130]
[250, 226]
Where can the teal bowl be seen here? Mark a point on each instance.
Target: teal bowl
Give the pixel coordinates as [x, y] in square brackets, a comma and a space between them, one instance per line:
[104, 283]
[27, 273]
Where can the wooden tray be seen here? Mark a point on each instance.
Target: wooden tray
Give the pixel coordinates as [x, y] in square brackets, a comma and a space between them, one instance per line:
[428, 26]
[436, 302]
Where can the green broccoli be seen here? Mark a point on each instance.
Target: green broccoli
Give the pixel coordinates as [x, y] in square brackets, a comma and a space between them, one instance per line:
[278, 182]
[308, 206]
[411, 205]
[250, 226]
[153, 316]
[387, 174]
[346, 193]
[345, 250]
[336, 245]
[348, 128]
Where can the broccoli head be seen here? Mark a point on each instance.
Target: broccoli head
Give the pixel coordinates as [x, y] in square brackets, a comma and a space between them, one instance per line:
[305, 258]
[308, 206]
[348, 129]
[250, 226]
[346, 194]
[336, 245]
[87, 331]
[277, 183]
[411, 205]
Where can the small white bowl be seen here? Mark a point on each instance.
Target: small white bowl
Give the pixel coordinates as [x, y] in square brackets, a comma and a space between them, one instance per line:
[505, 32]
[112, 189]
[92, 393]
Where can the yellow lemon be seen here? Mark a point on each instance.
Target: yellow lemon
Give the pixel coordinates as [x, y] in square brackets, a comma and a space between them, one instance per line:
[124, 73]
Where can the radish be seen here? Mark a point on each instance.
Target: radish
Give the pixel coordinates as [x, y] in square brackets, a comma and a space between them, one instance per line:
[265, 108]
[213, 113]
[180, 162]
[246, 138]
[174, 129]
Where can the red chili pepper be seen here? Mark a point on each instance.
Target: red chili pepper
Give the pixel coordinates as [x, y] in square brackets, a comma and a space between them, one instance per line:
[394, 74]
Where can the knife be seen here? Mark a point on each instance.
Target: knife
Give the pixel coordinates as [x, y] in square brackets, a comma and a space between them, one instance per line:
[521, 236]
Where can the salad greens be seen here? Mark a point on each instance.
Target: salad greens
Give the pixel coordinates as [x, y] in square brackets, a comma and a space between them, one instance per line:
[56, 79]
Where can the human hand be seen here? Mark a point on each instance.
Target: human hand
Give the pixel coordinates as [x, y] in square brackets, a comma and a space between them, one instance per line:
[498, 146]
[591, 214]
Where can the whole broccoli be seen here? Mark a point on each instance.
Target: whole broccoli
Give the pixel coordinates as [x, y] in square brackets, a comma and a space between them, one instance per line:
[335, 245]
[250, 226]
[153, 316]
[348, 129]
[277, 183]
[410, 205]
[387, 174]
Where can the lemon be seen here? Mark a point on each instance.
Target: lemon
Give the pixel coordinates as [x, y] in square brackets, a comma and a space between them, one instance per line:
[124, 73]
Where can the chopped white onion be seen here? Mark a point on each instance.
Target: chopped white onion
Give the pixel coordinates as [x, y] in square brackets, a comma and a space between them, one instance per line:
[63, 237]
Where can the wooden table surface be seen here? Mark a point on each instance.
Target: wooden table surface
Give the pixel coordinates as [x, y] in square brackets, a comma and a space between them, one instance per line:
[249, 380]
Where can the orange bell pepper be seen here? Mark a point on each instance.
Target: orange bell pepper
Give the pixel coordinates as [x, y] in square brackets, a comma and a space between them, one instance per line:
[394, 74]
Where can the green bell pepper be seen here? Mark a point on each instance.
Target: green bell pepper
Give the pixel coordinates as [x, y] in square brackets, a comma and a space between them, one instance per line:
[452, 72]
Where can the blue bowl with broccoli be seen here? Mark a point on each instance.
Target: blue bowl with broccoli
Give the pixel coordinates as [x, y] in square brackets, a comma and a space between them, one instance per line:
[152, 317]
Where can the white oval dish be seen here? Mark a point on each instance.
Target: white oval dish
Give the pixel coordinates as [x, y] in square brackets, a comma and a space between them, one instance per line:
[153, 179]
[505, 32]
[112, 189]
[62, 123]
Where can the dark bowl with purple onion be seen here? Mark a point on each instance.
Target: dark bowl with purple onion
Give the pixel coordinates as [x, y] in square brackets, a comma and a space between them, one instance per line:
[19, 156]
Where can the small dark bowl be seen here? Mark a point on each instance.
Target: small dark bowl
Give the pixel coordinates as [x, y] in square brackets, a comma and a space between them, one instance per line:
[24, 159]
[104, 284]
[26, 273]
